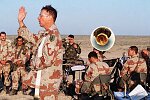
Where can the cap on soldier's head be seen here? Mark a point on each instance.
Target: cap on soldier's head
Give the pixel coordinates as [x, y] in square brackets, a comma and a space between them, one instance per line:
[148, 48]
[71, 36]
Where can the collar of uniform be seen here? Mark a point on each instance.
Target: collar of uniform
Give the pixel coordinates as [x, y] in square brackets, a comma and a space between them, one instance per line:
[53, 27]
[95, 63]
[7, 41]
[46, 32]
[134, 56]
[43, 33]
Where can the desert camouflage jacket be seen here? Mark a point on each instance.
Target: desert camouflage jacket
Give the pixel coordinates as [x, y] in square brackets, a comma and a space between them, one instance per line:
[131, 64]
[52, 48]
[95, 69]
[70, 51]
[20, 53]
[5, 50]
[50, 62]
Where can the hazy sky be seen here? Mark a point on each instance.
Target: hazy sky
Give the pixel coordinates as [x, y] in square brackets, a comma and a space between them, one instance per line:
[124, 17]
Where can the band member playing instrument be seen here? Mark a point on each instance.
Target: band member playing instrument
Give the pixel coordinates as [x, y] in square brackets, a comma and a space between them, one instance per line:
[132, 67]
[95, 68]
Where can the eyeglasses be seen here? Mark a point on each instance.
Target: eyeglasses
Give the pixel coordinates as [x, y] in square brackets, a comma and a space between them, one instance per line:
[43, 15]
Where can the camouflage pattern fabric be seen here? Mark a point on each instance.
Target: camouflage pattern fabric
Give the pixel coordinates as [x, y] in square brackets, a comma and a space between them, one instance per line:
[5, 54]
[5, 50]
[95, 69]
[5, 69]
[71, 53]
[19, 71]
[131, 64]
[131, 71]
[50, 63]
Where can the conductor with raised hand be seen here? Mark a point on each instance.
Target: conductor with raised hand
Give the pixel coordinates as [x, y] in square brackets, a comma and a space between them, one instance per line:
[47, 53]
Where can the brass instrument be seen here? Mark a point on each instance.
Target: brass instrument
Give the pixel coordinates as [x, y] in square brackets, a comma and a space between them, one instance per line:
[102, 38]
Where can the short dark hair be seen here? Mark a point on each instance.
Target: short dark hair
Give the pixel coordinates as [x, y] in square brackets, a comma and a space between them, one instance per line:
[20, 37]
[2, 33]
[51, 10]
[135, 48]
[100, 52]
[71, 36]
[92, 54]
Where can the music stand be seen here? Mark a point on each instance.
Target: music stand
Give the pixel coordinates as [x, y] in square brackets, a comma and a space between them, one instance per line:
[78, 68]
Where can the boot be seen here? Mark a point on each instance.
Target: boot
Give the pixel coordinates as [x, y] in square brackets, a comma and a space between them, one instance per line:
[24, 91]
[7, 89]
[13, 92]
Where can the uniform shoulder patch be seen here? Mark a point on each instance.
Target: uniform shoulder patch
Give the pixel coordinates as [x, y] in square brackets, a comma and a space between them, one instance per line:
[52, 38]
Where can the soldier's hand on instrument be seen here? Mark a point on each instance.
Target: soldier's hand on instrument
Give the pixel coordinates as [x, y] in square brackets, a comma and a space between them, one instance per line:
[75, 46]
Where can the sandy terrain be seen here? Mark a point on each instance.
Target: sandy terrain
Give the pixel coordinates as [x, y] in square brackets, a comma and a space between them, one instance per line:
[121, 45]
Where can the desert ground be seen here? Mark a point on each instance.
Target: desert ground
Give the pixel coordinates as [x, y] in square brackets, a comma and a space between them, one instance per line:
[122, 43]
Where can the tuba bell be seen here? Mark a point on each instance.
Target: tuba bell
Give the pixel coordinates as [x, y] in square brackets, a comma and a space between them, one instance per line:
[102, 38]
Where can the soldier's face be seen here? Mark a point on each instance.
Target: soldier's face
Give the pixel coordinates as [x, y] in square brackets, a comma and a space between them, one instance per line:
[71, 40]
[45, 19]
[91, 60]
[130, 52]
[19, 42]
[3, 37]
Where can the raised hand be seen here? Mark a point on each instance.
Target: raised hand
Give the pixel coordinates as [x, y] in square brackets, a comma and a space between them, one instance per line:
[21, 15]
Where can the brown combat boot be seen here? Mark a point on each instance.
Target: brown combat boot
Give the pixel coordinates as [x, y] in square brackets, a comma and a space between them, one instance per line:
[7, 89]
[13, 92]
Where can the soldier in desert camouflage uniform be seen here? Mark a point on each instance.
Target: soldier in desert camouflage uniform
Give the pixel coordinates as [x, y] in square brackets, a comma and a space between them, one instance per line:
[95, 68]
[21, 54]
[5, 55]
[133, 64]
[47, 53]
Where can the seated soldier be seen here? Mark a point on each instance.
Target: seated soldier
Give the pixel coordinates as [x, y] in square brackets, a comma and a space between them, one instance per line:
[95, 69]
[132, 67]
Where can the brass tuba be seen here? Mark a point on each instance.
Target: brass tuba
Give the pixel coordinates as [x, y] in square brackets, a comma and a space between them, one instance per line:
[102, 38]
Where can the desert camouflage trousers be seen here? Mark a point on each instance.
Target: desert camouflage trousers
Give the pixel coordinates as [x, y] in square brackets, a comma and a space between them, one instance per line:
[5, 70]
[19, 75]
[51, 78]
